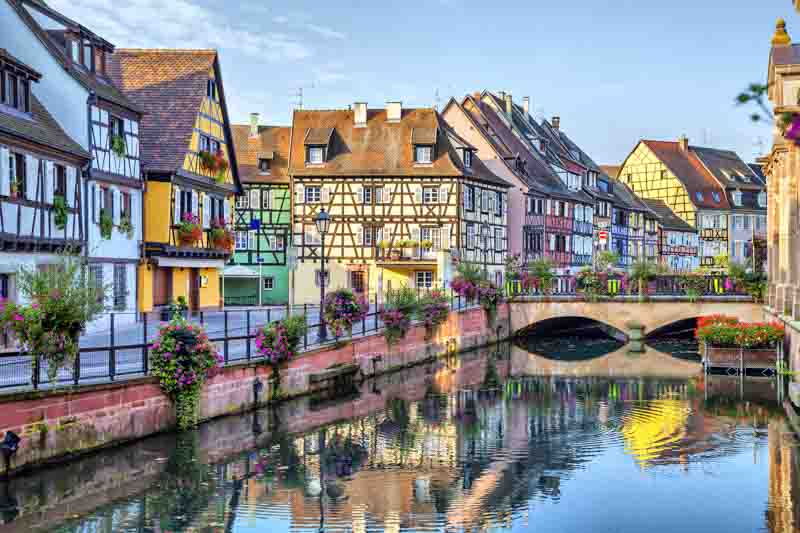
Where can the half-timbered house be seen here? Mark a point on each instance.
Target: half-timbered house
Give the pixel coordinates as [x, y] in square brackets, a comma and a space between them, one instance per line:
[677, 240]
[262, 217]
[190, 168]
[77, 90]
[41, 179]
[405, 195]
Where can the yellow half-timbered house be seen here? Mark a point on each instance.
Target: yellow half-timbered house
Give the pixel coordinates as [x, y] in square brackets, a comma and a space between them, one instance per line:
[405, 194]
[190, 170]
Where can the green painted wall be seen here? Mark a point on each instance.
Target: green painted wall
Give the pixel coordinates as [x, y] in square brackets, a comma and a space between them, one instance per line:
[265, 248]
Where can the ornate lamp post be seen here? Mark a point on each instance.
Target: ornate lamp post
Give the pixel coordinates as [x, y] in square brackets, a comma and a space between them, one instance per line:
[323, 222]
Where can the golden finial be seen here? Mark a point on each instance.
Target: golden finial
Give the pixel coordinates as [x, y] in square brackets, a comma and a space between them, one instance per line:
[797, 5]
[781, 37]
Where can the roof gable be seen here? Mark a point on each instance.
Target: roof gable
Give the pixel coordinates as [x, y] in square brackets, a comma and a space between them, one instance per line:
[249, 148]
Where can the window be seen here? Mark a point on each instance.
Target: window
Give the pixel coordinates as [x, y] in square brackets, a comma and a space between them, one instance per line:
[737, 198]
[16, 174]
[269, 283]
[533, 242]
[432, 234]
[254, 200]
[430, 195]
[498, 240]
[318, 278]
[425, 279]
[484, 201]
[747, 221]
[12, 90]
[120, 287]
[116, 126]
[264, 166]
[313, 194]
[211, 90]
[698, 196]
[469, 197]
[125, 206]
[266, 199]
[96, 281]
[185, 202]
[762, 199]
[368, 235]
[316, 155]
[467, 159]
[471, 238]
[368, 195]
[357, 281]
[498, 205]
[87, 58]
[241, 240]
[60, 186]
[423, 154]
[243, 201]
[716, 197]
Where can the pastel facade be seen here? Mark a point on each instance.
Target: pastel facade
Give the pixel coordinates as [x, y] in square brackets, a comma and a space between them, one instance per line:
[405, 195]
[77, 90]
[185, 124]
[677, 241]
[262, 218]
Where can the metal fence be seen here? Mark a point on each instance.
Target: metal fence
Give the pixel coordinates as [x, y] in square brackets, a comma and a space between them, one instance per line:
[615, 286]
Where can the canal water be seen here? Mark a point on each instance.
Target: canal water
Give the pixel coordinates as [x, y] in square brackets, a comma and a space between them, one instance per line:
[511, 438]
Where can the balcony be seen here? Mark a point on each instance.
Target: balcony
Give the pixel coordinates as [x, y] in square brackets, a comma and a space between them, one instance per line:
[406, 255]
[202, 248]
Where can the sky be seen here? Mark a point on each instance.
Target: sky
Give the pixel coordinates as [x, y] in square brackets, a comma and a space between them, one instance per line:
[614, 73]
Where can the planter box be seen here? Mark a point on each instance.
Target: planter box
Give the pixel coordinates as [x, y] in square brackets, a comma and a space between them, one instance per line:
[741, 357]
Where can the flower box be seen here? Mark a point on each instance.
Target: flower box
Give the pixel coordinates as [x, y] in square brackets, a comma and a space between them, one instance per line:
[741, 357]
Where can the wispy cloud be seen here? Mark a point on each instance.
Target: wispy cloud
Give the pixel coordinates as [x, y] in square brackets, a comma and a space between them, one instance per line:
[179, 24]
[325, 31]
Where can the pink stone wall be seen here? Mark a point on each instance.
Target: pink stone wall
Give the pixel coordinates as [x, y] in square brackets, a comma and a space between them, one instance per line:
[55, 424]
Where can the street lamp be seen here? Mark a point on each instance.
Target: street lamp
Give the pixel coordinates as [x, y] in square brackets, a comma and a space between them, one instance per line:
[323, 222]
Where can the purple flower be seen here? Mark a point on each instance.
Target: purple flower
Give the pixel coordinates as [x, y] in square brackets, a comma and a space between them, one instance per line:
[793, 130]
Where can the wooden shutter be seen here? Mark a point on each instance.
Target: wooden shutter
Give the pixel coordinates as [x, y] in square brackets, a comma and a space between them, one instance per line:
[176, 204]
[206, 211]
[195, 206]
[70, 195]
[418, 193]
[252, 237]
[443, 192]
[117, 204]
[49, 181]
[135, 220]
[98, 202]
[358, 230]
[415, 234]
[31, 176]
[325, 195]
[298, 194]
[255, 198]
[445, 235]
[378, 195]
[360, 194]
[5, 182]
[226, 210]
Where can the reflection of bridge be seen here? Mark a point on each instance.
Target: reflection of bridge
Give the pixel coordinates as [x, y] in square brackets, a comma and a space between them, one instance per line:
[651, 315]
[620, 363]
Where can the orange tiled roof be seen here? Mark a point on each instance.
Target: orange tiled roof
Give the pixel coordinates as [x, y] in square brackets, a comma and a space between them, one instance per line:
[273, 139]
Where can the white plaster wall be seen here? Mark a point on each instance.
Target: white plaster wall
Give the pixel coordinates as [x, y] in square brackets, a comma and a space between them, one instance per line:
[60, 93]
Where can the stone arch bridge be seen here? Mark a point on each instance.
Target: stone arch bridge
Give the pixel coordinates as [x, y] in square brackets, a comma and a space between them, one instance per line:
[628, 316]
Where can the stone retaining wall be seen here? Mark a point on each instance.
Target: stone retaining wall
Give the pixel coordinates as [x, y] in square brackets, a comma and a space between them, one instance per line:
[57, 424]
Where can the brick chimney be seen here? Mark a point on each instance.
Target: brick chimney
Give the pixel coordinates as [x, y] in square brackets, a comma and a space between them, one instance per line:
[394, 111]
[526, 105]
[683, 142]
[556, 122]
[254, 124]
[360, 114]
[509, 107]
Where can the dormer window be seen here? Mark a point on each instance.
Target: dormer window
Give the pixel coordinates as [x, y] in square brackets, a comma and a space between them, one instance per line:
[423, 154]
[467, 159]
[315, 155]
[716, 197]
[15, 91]
[737, 198]
[698, 196]
[762, 199]
[317, 143]
[264, 165]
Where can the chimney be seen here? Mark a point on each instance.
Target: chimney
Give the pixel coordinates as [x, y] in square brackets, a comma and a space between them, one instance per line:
[509, 107]
[360, 114]
[526, 105]
[556, 122]
[502, 95]
[683, 142]
[394, 111]
[254, 124]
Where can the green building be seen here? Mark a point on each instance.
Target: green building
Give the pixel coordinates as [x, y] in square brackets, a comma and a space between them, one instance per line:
[262, 218]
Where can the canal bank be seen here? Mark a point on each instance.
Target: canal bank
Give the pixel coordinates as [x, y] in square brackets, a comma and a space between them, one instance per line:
[63, 423]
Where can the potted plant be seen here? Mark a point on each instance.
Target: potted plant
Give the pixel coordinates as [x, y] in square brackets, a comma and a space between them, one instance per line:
[643, 272]
[61, 301]
[542, 272]
[13, 189]
[590, 283]
[106, 223]
[214, 163]
[126, 226]
[341, 309]
[278, 343]
[183, 358]
[221, 236]
[465, 284]
[118, 145]
[60, 212]
[396, 314]
[694, 286]
[740, 344]
[489, 296]
[432, 310]
[189, 230]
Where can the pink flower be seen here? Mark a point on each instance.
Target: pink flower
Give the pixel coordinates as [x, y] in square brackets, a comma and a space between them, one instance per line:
[35, 305]
[793, 130]
[18, 317]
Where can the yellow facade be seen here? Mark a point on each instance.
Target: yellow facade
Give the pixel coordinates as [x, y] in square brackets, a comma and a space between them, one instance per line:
[157, 212]
[145, 289]
[210, 294]
[650, 178]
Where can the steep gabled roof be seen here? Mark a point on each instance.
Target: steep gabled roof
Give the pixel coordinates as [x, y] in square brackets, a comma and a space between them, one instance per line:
[666, 218]
[271, 140]
[379, 148]
[700, 185]
[170, 85]
[728, 169]
[479, 170]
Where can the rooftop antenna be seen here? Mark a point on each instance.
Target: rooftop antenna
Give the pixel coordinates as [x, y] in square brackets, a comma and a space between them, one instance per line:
[436, 99]
[297, 98]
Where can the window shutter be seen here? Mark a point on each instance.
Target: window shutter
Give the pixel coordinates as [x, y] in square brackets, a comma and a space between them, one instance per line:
[226, 210]
[298, 194]
[134, 214]
[445, 237]
[31, 176]
[115, 205]
[360, 194]
[206, 211]
[195, 210]
[5, 182]
[176, 207]
[552, 243]
[98, 202]
[70, 194]
[49, 181]
[358, 229]
[326, 195]
[378, 235]
[254, 199]
[298, 234]
[415, 234]
[379, 195]
[418, 194]
[251, 240]
[465, 196]
[443, 192]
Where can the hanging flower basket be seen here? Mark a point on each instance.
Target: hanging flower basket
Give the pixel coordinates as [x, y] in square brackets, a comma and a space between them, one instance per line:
[433, 311]
[189, 230]
[278, 343]
[221, 236]
[214, 163]
[341, 309]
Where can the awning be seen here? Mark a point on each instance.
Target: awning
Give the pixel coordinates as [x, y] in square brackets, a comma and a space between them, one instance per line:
[186, 262]
[239, 271]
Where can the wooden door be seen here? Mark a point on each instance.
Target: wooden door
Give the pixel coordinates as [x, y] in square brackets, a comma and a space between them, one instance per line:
[194, 290]
[358, 282]
[162, 285]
